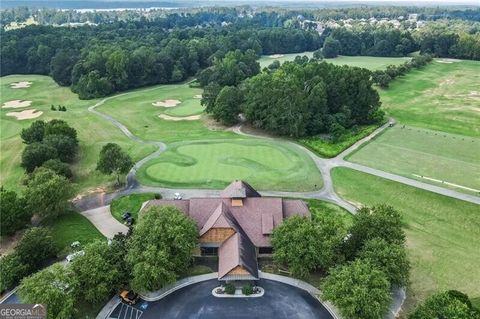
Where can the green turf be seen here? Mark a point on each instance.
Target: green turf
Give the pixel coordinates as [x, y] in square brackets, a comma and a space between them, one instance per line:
[186, 108]
[71, 227]
[329, 149]
[443, 234]
[414, 152]
[93, 131]
[214, 164]
[441, 96]
[131, 203]
[368, 62]
[135, 110]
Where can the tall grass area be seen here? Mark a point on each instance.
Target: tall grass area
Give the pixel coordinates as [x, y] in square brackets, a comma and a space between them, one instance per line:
[443, 234]
[329, 149]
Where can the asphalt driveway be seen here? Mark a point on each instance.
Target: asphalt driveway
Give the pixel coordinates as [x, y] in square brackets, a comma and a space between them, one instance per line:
[280, 301]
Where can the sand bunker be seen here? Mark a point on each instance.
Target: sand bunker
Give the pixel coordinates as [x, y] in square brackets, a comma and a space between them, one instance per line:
[198, 96]
[448, 61]
[275, 56]
[167, 103]
[26, 115]
[20, 85]
[179, 118]
[16, 104]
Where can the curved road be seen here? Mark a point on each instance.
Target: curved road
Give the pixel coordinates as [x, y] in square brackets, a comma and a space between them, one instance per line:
[325, 166]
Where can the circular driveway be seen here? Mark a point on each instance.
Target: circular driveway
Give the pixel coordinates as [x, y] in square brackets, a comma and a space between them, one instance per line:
[280, 301]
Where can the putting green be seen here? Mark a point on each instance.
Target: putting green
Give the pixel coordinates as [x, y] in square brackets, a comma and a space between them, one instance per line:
[214, 164]
[414, 152]
[187, 107]
[368, 62]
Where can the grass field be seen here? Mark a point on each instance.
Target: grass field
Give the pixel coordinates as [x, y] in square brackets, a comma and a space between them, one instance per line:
[188, 107]
[71, 227]
[214, 164]
[414, 152]
[443, 234]
[442, 97]
[131, 203]
[135, 110]
[368, 62]
[93, 131]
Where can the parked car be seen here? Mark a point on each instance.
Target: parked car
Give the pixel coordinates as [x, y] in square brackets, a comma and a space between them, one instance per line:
[126, 215]
[129, 221]
[71, 257]
[129, 297]
[177, 196]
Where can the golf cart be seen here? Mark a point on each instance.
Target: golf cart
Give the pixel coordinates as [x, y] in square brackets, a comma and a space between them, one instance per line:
[177, 196]
[129, 297]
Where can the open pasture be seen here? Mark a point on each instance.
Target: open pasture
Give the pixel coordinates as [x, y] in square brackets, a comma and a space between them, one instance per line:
[414, 152]
[368, 62]
[214, 164]
[443, 234]
[441, 96]
[93, 131]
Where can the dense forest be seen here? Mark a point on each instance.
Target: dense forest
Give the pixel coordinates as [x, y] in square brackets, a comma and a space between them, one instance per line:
[122, 54]
[97, 61]
[299, 98]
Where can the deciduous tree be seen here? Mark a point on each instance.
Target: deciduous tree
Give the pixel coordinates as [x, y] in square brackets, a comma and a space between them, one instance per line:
[113, 160]
[359, 290]
[47, 193]
[14, 212]
[51, 286]
[160, 248]
[305, 245]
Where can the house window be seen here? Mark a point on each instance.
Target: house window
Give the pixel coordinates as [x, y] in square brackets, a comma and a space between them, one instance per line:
[209, 251]
[265, 250]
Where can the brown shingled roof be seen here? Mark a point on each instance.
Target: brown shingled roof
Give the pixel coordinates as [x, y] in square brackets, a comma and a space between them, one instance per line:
[239, 189]
[237, 250]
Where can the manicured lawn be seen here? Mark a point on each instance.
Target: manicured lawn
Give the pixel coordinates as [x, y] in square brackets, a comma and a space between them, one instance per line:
[188, 107]
[414, 152]
[368, 62]
[443, 234]
[131, 203]
[214, 164]
[71, 227]
[93, 131]
[442, 97]
[135, 110]
[329, 149]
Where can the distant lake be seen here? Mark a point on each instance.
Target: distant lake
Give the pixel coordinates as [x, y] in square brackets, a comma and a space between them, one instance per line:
[96, 5]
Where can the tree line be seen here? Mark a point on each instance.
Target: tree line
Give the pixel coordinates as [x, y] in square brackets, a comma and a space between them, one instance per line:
[383, 78]
[97, 61]
[297, 99]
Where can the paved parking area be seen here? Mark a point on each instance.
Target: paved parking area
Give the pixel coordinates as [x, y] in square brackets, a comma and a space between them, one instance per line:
[280, 301]
[124, 311]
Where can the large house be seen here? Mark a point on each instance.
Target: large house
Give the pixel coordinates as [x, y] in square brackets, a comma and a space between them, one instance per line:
[236, 226]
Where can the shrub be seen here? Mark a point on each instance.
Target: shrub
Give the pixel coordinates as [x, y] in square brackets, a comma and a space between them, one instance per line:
[157, 196]
[229, 289]
[247, 290]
